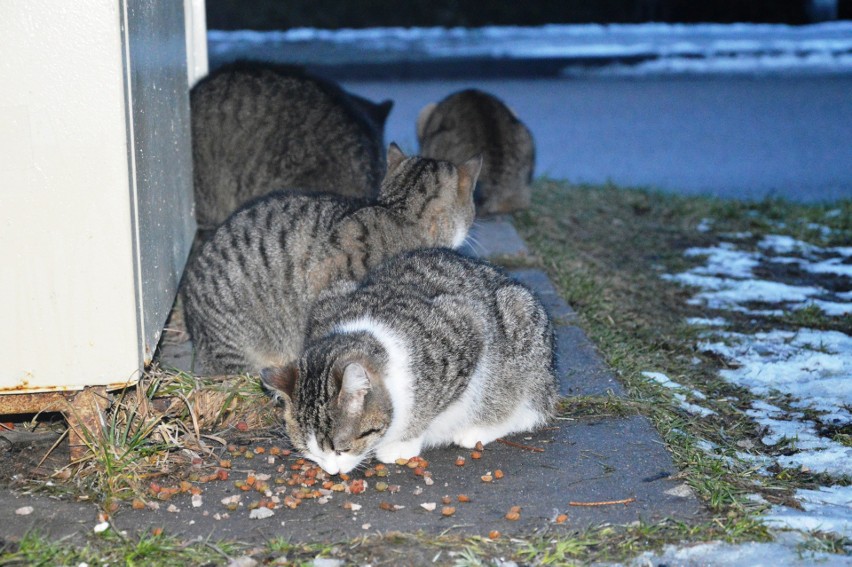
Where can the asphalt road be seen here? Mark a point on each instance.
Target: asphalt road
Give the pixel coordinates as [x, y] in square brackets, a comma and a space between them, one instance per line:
[744, 137]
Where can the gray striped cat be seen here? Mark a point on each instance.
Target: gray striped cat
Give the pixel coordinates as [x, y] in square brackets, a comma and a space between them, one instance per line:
[257, 127]
[432, 348]
[472, 122]
[248, 292]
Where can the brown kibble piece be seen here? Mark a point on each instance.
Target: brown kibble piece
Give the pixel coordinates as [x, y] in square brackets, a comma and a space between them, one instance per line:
[479, 446]
[486, 478]
[448, 511]
[259, 450]
[513, 516]
[387, 506]
[494, 534]
[138, 504]
[476, 455]
[463, 498]
[561, 518]
[498, 474]
[459, 461]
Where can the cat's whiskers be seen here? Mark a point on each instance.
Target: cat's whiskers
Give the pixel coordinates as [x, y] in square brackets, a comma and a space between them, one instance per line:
[472, 242]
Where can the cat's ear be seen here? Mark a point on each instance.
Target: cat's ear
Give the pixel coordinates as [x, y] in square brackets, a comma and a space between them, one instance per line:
[354, 386]
[468, 174]
[381, 111]
[281, 379]
[422, 118]
[395, 156]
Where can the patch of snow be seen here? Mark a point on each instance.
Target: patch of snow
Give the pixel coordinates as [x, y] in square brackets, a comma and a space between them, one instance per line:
[725, 260]
[705, 322]
[812, 366]
[828, 509]
[786, 550]
[666, 382]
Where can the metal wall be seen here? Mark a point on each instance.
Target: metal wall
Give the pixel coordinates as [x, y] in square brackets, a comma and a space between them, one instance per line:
[95, 187]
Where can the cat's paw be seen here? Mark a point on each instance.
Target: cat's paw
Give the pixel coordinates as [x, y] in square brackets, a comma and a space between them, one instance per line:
[469, 438]
[390, 452]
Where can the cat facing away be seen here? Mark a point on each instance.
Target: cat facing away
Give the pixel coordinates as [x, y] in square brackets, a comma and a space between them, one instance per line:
[257, 127]
[431, 348]
[248, 292]
[473, 122]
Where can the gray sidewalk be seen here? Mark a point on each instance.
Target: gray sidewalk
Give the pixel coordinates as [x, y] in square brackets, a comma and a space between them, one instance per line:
[579, 460]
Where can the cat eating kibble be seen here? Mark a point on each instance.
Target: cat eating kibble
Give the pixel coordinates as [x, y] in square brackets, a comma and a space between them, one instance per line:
[431, 348]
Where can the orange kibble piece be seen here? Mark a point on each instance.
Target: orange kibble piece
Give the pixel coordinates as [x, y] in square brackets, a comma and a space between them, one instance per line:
[494, 534]
[274, 451]
[463, 498]
[195, 490]
[459, 461]
[487, 478]
[155, 488]
[498, 474]
[476, 455]
[344, 477]
[327, 484]
[156, 532]
[418, 471]
[513, 516]
[242, 426]
[412, 463]
[561, 518]
[225, 463]
[222, 474]
[232, 448]
[185, 486]
[138, 504]
[259, 450]
[250, 480]
[369, 473]
[357, 486]
[380, 466]
[448, 511]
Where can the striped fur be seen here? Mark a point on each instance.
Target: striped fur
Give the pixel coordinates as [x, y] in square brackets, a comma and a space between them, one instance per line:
[259, 127]
[248, 290]
[472, 122]
[454, 352]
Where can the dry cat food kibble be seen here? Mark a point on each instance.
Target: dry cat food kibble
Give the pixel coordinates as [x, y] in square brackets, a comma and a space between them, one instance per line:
[448, 511]
[494, 534]
[561, 518]
[498, 474]
[476, 455]
[463, 498]
[459, 461]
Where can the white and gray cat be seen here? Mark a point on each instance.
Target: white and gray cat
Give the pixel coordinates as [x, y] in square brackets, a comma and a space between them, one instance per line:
[432, 348]
[248, 291]
[257, 127]
[475, 122]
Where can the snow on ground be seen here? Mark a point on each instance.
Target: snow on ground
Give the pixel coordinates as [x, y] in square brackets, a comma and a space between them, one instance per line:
[633, 49]
[789, 549]
[802, 379]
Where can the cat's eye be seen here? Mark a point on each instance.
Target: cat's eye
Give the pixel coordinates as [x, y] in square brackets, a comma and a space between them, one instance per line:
[369, 432]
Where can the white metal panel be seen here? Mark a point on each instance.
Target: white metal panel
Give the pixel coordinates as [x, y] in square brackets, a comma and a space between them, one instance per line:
[95, 189]
[67, 302]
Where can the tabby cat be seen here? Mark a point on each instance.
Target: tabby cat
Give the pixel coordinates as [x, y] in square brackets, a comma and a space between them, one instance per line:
[432, 348]
[248, 291]
[259, 126]
[472, 122]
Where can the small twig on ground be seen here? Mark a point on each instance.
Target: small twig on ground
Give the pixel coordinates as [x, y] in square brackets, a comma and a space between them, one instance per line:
[604, 502]
[519, 446]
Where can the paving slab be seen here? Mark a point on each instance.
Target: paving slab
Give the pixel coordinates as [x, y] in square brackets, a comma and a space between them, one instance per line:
[549, 472]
